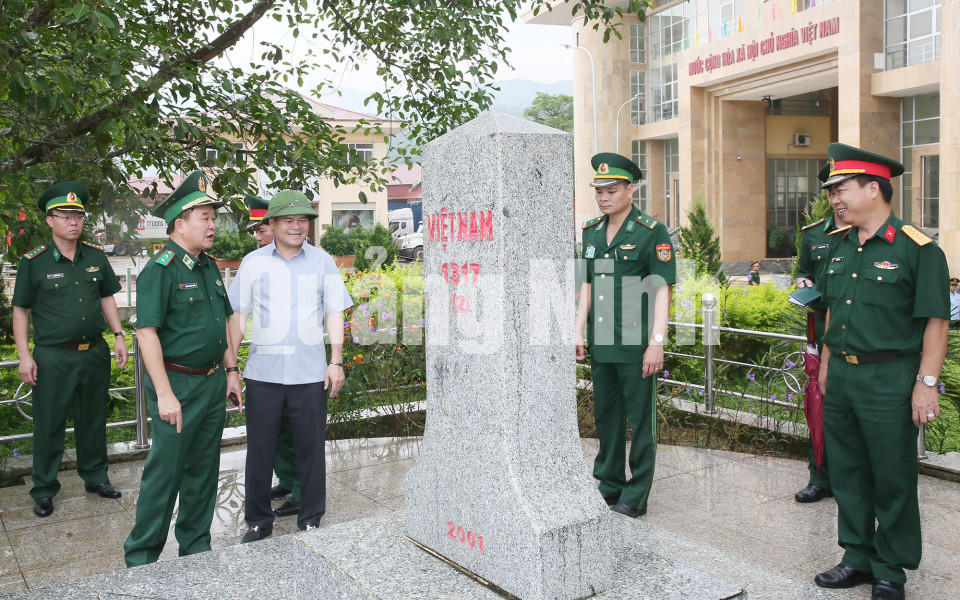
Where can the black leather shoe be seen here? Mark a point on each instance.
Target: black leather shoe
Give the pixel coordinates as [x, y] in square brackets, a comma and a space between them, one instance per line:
[887, 590]
[105, 490]
[812, 493]
[841, 577]
[257, 533]
[278, 491]
[611, 499]
[311, 524]
[290, 507]
[43, 507]
[629, 511]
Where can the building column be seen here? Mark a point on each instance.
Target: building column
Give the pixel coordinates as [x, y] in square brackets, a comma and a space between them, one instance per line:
[949, 135]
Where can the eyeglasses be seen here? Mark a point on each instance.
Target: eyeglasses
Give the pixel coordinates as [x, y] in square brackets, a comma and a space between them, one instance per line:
[80, 218]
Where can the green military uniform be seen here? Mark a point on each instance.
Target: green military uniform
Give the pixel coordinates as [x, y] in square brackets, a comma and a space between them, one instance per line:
[73, 361]
[285, 460]
[185, 299]
[623, 276]
[814, 258]
[881, 295]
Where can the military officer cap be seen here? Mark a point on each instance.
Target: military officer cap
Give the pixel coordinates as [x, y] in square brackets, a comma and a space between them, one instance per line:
[191, 193]
[66, 195]
[613, 168]
[289, 203]
[824, 173]
[954, 281]
[847, 161]
[258, 207]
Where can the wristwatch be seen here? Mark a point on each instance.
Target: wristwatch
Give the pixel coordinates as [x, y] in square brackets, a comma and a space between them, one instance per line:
[656, 338]
[118, 334]
[927, 380]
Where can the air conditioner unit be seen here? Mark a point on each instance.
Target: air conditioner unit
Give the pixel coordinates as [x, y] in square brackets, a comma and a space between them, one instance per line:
[801, 139]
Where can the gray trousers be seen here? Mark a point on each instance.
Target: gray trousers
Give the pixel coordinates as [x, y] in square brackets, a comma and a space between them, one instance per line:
[306, 405]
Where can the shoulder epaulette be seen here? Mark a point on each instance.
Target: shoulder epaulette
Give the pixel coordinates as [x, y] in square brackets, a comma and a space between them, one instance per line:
[35, 252]
[94, 246]
[814, 224]
[916, 235]
[164, 258]
[592, 222]
[839, 229]
[647, 221]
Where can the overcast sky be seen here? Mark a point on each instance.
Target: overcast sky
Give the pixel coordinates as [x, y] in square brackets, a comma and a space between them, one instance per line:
[536, 55]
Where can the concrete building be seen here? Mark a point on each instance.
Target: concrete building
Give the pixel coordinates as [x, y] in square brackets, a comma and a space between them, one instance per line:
[735, 102]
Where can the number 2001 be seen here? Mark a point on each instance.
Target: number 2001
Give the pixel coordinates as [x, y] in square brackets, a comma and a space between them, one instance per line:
[458, 534]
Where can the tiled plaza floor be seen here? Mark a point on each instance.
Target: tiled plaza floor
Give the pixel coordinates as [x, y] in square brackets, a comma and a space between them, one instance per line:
[737, 504]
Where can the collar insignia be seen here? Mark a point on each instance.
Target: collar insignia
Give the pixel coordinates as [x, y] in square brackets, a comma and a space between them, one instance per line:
[188, 260]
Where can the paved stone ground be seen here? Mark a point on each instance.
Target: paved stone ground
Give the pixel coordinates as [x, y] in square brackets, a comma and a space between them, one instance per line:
[722, 504]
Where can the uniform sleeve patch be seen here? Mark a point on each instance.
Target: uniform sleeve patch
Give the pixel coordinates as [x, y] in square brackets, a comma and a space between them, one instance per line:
[814, 224]
[164, 258]
[35, 252]
[664, 252]
[919, 237]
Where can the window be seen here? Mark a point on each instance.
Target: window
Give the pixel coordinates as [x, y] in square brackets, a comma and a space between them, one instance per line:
[639, 156]
[638, 43]
[792, 184]
[209, 157]
[663, 93]
[671, 167]
[919, 126]
[638, 91]
[364, 153]
[911, 32]
[348, 219]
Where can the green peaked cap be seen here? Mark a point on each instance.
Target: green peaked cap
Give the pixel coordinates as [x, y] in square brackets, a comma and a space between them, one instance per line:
[613, 168]
[191, 193]
[847, 161]
[66, 195]
[289, 203]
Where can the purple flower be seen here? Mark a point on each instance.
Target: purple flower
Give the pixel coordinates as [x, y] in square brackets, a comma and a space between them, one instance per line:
[423, 321]
[701, 392]
[682, 280]
[362, 306]
[676, 316]
[751, 410]
[346, 326]
[373, 328]
[666, 373]
[356, 340]
[790, 397]
[752, 377]
[379, 303]
[366, 313]
[16, 453]
[393, 332]
[686, 303]
[773, 397]
[943, 388]
[745, 292]
[680, 287]
[789, 364]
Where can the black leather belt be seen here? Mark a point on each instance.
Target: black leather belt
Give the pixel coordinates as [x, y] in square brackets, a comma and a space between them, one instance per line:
[80, 347]
[865, 359]
[190, 370]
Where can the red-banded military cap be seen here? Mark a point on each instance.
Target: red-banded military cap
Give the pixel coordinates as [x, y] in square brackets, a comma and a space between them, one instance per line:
[258, 208]
[847, 161]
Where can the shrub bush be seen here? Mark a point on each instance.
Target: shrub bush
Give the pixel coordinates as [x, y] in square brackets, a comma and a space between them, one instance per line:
[336, 242]
[233, 245]
[378, 240]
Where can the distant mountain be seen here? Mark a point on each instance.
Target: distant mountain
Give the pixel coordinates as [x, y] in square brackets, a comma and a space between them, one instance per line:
[517, 94]
[513, 97]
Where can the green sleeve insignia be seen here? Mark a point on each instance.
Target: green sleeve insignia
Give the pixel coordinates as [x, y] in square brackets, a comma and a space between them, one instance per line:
[919, 237]
[647, 221]
[592, 222]
[814, 224]
[164, 258]
[35, 252]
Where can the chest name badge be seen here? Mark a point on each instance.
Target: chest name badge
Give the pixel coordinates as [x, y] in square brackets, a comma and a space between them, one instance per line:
[54, 275]
[821, 247]
[836, 259]
[188, 286]
[590, 252]
[886, 265]
[664, 252]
